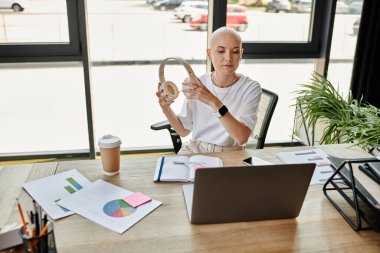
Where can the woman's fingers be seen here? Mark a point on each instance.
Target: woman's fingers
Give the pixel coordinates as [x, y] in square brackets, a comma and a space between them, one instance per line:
[188, 86]
[161, 99]
[196, 80]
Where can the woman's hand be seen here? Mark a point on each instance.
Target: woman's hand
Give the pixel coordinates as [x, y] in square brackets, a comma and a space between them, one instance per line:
[164, 104]
[169, 113]
[193, 88]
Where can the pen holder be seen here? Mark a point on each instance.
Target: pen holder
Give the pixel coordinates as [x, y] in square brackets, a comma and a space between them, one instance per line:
[39, 244]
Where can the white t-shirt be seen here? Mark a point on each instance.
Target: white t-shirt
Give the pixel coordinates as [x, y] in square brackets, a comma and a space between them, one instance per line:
[242, 100]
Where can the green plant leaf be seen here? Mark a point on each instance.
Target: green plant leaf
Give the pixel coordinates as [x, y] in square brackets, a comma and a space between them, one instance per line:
[346, 119]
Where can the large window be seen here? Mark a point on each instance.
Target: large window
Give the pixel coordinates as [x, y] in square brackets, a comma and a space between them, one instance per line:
[45, 29]
[42, 105]
[343, 46]
[48, 106]
[281, 77]
[128, 41]
[279, 28]
[26, 22]
[42, 108]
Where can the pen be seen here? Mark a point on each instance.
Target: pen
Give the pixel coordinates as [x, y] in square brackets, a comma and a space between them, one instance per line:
[45, 219]
[37, 222]
[22, 217]
[31, 217]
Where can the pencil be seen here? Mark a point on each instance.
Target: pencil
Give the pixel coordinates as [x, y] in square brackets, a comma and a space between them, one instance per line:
[22, 217]
[43, 231]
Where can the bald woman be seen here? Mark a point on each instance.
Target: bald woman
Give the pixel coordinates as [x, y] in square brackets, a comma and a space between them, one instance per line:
[220, 109]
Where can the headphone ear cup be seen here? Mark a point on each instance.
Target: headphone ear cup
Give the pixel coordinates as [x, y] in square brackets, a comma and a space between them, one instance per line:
[170, 90]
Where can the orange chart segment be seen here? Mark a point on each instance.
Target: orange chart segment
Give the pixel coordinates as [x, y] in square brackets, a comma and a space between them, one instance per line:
[118, 208]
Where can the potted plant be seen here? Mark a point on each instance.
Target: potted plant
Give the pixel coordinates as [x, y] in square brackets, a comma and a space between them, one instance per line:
[345, 120]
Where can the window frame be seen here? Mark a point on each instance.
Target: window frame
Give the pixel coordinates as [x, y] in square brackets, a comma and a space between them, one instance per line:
[48, 51]
[281, 50]
[75, 50]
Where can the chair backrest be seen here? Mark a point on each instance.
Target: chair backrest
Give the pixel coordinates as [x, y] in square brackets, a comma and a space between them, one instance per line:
[267, 105]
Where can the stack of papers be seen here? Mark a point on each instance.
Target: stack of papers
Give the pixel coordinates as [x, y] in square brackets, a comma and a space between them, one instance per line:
[101, 202]
[323, 170]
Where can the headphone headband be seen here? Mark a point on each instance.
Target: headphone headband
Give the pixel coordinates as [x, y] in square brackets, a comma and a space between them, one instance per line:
[178, 59]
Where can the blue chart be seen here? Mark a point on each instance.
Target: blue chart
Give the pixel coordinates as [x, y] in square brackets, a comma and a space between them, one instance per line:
[118, 208]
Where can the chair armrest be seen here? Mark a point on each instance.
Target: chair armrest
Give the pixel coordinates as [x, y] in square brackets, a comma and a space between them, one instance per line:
[176, 139]
[161, 125]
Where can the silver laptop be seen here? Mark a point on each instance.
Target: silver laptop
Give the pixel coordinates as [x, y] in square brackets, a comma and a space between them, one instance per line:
[247, 193]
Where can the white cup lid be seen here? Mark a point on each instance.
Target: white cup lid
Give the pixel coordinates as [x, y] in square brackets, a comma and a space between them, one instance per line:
[109, 141]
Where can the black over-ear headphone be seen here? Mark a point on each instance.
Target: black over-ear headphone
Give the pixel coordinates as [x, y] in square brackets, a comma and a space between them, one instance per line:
[170, 90]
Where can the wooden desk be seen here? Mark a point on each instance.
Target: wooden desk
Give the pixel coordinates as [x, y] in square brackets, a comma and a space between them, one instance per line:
[319, 228]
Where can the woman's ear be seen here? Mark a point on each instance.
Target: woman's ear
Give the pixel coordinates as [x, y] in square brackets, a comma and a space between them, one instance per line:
[208, 53]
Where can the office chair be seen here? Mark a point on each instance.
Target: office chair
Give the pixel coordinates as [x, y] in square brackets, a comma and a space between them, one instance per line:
[267, 105]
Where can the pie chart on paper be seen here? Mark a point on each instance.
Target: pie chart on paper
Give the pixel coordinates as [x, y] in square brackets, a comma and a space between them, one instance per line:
[118, 208]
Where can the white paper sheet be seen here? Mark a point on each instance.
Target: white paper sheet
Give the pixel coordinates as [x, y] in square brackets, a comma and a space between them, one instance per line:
[48, 191]
[258, 161]
[322, 171]
[101, 202]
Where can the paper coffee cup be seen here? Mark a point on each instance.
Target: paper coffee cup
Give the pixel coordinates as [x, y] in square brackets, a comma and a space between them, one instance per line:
[110, 153]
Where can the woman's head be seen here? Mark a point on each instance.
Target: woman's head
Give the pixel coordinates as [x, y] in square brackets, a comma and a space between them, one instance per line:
[225, 50]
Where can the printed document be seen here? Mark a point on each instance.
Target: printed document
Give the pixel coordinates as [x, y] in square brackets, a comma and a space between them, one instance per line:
[322, 171]
[103, 203]
[48, 191]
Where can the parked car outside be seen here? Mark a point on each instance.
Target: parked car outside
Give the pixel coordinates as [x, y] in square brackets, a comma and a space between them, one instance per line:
[236, 19]
[278, 6]
[188, 8]
[167, 4]
[15, 5]
[355, 8]
[355, 26]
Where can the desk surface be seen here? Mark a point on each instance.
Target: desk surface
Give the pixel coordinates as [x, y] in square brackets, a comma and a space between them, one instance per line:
[319, 227]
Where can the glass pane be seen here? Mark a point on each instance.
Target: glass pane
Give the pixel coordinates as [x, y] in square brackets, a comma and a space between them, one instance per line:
[271, 21]
[128, 40]
[281, 77]
[343, 46]
[27, 21]
[42, 108]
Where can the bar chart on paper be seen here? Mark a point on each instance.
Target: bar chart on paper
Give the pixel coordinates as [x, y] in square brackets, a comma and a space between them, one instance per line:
[74, 184]
[118, 208]
[50, 190]
[323, 170]
[70, 189]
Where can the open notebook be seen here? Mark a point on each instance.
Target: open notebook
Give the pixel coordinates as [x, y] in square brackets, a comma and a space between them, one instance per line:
[182, 168]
